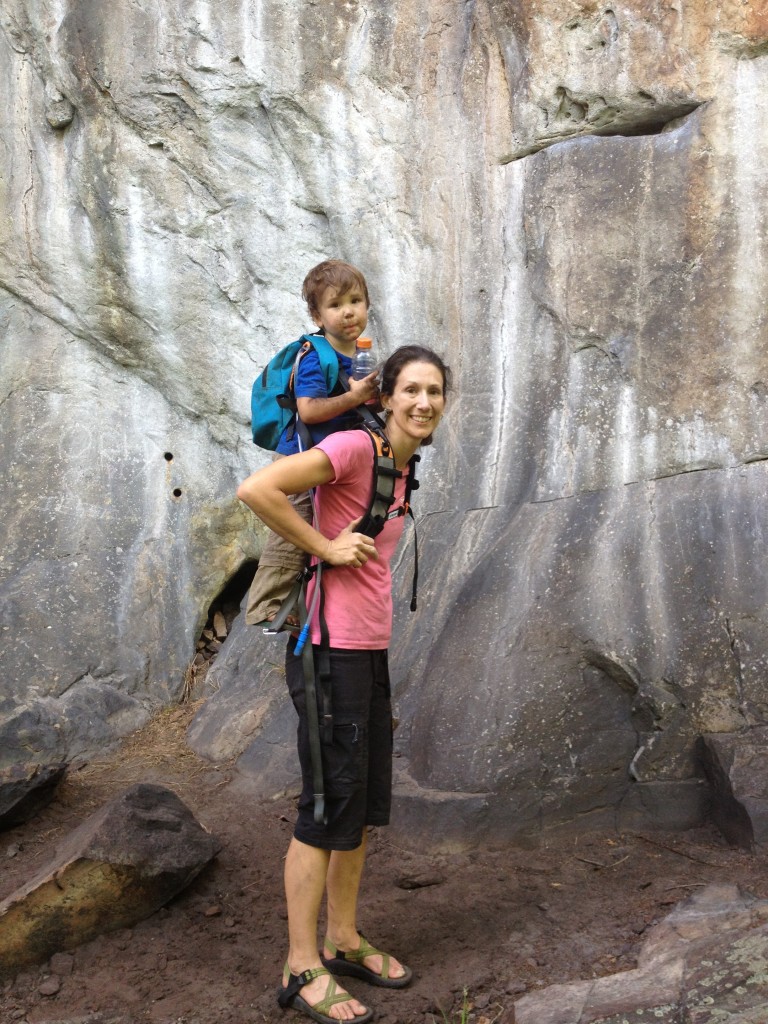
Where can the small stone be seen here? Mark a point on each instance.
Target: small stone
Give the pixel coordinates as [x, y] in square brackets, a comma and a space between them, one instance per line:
[62, 964]
[50, 986]
[13, 850]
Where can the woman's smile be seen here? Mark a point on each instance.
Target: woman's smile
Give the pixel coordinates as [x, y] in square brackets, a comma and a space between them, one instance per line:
[417, 402]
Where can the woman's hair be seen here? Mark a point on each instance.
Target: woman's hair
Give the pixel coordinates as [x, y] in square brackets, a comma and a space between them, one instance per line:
[406, 354]
[331, 274]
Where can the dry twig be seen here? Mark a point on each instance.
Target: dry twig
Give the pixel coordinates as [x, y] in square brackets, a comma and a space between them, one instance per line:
[680, 853]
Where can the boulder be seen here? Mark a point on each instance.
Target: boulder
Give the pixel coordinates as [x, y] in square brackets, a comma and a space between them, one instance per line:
[118, 867]
[736, 765]
[25, 789]
[705, 960]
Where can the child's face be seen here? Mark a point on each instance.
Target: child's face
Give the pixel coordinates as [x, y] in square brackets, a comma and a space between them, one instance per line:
[343, 315]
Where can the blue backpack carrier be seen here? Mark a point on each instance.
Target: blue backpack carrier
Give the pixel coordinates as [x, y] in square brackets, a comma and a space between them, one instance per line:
[273, 402]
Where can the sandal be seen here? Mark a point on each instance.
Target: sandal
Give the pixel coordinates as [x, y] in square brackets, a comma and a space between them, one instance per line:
[288, 995]
[351, 963]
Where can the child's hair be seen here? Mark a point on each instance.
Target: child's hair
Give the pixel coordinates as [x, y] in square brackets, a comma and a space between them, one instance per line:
[411, 354]
[334, 274]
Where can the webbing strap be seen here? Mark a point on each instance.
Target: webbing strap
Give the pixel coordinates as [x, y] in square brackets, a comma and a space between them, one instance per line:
[324, 674]
[297, 596]
[415, 584]
[313, 726]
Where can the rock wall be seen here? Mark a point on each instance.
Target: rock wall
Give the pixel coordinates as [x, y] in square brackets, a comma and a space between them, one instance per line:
[566, 199]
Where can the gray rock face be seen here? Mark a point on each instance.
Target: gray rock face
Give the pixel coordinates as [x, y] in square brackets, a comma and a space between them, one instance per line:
[567, 204]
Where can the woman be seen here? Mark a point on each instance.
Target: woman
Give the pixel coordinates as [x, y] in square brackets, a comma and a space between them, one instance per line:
[357, 602]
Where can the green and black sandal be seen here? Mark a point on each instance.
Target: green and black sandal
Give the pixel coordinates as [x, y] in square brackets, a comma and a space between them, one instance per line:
[288, 996]
[351, 964]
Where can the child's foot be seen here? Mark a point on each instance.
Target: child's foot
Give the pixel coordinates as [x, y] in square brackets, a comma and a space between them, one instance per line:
[291, 624]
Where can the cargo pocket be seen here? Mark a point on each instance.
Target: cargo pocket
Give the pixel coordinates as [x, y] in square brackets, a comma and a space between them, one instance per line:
[345, 760]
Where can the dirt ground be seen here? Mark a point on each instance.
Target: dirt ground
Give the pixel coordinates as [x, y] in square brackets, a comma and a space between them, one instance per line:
[478, 929]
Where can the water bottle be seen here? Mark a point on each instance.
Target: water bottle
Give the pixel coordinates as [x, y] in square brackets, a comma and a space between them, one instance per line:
[363, 361]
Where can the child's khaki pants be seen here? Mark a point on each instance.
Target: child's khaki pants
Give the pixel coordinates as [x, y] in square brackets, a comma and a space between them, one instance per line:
[279, 565]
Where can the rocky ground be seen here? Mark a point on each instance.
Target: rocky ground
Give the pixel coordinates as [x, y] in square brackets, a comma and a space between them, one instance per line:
[479, 929]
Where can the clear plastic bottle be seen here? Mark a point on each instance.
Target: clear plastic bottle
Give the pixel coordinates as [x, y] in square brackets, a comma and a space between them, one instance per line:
[364, 361]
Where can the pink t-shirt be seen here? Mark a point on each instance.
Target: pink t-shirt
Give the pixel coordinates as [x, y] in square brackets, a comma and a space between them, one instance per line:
[357, 602]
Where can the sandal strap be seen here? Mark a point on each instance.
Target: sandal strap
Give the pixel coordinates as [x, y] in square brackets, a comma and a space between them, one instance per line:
[356, 956]
[332, 997]
[296, 982]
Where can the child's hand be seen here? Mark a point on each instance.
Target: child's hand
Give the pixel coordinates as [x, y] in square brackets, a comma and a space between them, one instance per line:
[366, 389]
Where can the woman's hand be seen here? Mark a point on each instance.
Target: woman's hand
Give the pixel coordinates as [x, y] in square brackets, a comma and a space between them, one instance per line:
[350, 548]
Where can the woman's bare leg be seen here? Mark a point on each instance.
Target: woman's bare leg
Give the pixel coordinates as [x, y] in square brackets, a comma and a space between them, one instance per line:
[306, 872]
[345, 871]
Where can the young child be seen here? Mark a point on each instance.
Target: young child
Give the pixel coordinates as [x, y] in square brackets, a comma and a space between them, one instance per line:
[336, 295]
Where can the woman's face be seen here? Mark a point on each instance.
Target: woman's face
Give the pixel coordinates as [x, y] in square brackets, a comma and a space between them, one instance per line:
[417, 402]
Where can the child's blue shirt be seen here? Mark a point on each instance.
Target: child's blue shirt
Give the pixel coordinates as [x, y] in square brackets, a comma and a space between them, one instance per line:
[310, 383]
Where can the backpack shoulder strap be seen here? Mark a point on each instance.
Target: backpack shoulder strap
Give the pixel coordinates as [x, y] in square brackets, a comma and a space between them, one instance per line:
[328, 356]
[384, 476]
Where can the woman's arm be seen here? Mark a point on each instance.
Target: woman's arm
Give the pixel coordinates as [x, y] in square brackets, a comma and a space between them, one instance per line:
[266, 493]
